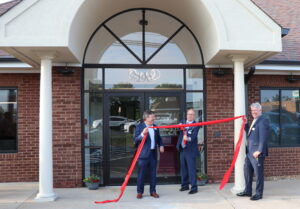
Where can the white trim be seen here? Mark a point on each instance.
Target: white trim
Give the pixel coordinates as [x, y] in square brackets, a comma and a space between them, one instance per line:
[3, 71]
[219, 66]
[14, 65]
[68, 64]
[278, 67]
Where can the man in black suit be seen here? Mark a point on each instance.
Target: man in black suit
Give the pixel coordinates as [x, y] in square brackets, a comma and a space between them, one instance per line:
[148, 156]
[187, 145]
[256, 151]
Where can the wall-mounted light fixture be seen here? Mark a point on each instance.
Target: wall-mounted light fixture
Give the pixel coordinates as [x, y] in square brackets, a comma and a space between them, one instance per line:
[65, 70]
[291, 78]
[220, 72]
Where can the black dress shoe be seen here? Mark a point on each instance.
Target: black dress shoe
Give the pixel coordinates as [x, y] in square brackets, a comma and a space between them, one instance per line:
[244, 194]
[183, 189]
[193, 192]
[256, 197]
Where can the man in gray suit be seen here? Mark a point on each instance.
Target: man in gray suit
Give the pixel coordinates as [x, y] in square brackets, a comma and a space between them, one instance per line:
[256, 151]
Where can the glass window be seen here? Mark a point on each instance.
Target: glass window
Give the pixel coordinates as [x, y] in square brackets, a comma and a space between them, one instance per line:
[143, 78]
[93, 79]
[194, 79]
[8, 120]
[170, 53]
[128, 28]
[270, 107]
[93, 119]
[93, 162]
[281, 108]
[93, 134]
[290, 117]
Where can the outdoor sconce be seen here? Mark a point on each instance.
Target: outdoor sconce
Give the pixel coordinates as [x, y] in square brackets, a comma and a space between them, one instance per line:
[292, 79]
[66, 70]
[220, 72]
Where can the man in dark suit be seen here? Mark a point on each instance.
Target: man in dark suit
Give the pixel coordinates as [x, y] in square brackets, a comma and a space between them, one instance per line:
[187, 145]
[148, 156]
[256, 151]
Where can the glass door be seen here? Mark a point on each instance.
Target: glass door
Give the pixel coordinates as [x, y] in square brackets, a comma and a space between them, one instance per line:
[124, 113]
[168, 110]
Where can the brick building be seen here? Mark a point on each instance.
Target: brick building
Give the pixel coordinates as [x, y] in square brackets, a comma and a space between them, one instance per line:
[74, 83]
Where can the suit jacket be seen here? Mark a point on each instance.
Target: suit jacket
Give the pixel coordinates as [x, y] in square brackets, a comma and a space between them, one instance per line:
[258, 136]
[145, 153]
[191, 146]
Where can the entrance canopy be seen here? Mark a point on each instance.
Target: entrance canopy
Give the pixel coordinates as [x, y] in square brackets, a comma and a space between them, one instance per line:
[222, 27]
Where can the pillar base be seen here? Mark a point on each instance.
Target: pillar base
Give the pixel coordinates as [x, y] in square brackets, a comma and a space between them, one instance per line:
[45, 197]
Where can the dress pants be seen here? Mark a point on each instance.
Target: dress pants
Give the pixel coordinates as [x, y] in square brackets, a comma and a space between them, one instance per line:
[256, 166]
[188, 170]
[145, 165]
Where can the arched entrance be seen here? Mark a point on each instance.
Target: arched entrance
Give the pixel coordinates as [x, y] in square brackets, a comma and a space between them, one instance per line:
[139, 59]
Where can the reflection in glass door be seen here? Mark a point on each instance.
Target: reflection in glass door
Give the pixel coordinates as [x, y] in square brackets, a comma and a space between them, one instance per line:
[167, 108]
[124, 114]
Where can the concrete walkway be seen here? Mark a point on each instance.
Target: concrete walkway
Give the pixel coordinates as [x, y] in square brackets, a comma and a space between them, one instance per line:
[278, 194]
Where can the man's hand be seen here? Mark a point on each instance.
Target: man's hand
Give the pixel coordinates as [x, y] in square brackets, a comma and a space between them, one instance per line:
[256, 154]
[145, 131]
[185, 137]
[162, 149]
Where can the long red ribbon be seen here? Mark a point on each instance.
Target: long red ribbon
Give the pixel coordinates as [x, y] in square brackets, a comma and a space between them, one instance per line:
[140, 147]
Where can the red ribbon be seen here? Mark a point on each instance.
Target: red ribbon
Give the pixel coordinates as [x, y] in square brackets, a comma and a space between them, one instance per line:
[140, 147]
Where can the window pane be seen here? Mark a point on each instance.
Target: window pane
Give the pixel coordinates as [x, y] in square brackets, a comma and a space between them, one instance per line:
[93, 163]
[195, 101]
[270, 105]
[8, 120]
[194, 79]
[93, 79]
[93, 105]
[170, 53]
[290, 117]
[188, 46]
[127, 27]
[124, 115]
[152, 42]
[143, 78]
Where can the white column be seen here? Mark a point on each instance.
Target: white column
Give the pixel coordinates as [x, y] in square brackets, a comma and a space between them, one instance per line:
[45, 133]
[239, 109]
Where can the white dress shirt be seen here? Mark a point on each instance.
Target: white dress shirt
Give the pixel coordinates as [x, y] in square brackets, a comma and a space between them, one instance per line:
[252, 124]
[152, 137]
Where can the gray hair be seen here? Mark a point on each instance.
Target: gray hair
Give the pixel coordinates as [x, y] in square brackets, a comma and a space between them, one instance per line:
[256, 105]
[147, 113]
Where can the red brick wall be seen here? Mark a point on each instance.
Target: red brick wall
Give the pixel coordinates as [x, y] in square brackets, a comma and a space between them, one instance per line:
[282, 161]
[23, 166]
[219, 105]
[67, 157]
[67, 153]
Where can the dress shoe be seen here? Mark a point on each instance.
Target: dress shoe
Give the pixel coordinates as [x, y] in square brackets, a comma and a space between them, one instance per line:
[183, 189]
[256, 197]
[193, 192]
[155, 195]
[139, 196]
[244, 194]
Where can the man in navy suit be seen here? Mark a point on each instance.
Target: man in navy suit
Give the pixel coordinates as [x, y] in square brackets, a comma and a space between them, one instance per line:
[256, 151]
[148, 156]
[188, 154]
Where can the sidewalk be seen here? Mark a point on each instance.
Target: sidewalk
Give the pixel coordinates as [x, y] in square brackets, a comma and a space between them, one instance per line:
[278, 195]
